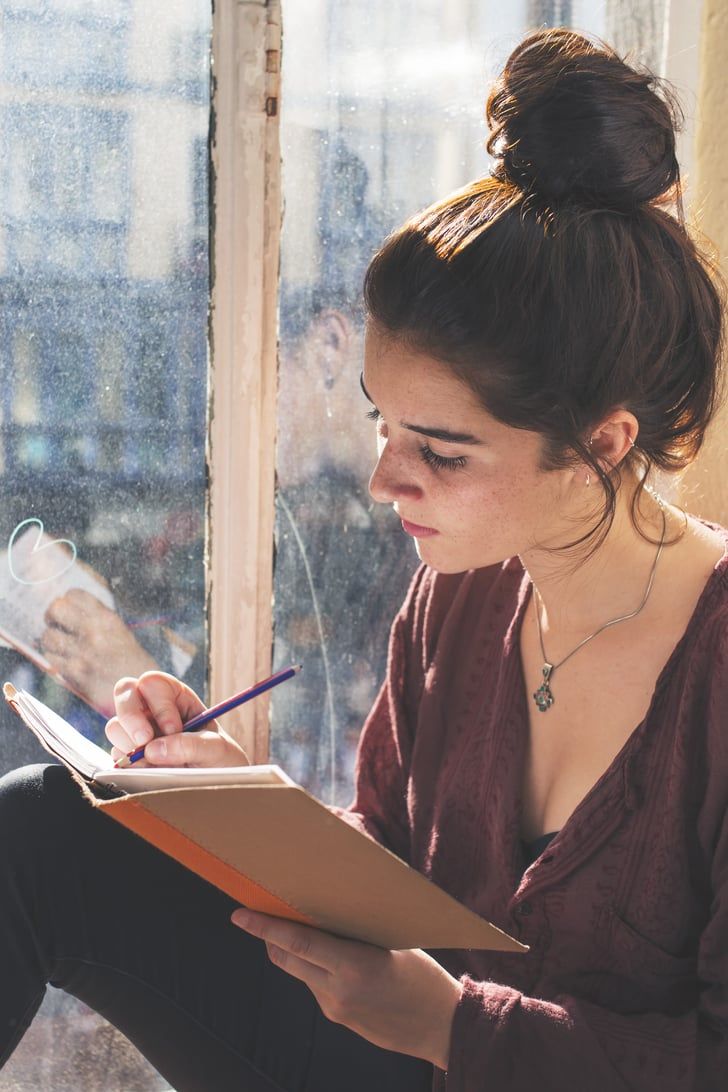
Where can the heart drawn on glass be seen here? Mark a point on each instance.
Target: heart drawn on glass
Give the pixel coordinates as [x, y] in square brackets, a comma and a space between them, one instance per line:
[37, 549]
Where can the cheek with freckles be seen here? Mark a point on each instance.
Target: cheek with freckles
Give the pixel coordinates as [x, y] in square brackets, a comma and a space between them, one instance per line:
[485, 526]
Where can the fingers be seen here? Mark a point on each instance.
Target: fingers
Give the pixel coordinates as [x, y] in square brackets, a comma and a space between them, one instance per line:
[303, 941]
[170, 703]
[57, 642]
[154, 704]
[131, 727]
[75, 611]
[204, 748]
[314, 977]
[118, 754]
[292, 947]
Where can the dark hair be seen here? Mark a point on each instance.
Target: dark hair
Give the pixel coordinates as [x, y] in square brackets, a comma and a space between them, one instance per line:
[561, 287]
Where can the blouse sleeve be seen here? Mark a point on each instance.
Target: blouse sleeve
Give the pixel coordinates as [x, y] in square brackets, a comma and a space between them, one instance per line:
[503, 1039]
[383, 761]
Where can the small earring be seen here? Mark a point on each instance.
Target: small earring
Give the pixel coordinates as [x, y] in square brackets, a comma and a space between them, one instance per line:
[588, 479]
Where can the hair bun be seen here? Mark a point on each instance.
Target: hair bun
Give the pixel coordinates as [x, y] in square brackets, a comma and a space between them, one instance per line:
[571, 121]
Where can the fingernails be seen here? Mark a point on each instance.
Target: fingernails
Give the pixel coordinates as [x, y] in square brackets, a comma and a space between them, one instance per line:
[241, 918]
[125, 695]
[141, 737]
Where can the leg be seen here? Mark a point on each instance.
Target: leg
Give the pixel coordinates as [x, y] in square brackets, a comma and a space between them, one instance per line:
[95, 910]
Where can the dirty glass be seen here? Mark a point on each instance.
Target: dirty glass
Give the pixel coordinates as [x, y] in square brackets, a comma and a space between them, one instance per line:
[382, 113]
[104, 115]
[103, 260]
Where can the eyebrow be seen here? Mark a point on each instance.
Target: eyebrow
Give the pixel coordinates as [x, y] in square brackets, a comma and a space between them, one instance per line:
[443, 434]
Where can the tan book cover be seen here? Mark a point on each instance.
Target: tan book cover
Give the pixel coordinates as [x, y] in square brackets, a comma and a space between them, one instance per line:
[261, 838]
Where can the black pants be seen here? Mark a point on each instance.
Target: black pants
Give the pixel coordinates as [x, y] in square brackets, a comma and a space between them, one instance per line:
[91, 908]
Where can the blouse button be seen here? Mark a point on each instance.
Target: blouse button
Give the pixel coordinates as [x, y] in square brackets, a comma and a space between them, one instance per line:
[525, 908]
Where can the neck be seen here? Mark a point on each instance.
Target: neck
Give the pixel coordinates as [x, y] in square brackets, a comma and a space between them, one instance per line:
[576, 598]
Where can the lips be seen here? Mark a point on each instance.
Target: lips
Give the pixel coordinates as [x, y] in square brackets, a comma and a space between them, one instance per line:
[417, 530]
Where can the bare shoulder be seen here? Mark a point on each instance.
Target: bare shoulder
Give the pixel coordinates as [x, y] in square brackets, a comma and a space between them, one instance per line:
[705, 548]
[710, 541]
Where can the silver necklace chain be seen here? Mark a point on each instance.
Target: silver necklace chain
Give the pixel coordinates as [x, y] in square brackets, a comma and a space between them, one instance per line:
[544, 697]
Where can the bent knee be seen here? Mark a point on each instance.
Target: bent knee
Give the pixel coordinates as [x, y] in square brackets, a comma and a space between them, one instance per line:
[33, 795]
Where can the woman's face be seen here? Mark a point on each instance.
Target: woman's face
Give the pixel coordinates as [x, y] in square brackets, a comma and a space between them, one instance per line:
[467, 488]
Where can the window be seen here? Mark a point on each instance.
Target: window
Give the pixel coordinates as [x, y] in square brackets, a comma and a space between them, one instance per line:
[81, 33]
[66, 197]
[104, 118]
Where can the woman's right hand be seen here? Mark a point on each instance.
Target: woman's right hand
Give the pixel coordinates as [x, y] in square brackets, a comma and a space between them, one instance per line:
[150, 713]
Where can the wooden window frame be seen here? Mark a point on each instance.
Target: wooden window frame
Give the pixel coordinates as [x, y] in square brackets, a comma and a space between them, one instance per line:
[246, 221]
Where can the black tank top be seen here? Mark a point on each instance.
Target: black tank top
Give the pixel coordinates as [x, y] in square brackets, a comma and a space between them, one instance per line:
[533, 850]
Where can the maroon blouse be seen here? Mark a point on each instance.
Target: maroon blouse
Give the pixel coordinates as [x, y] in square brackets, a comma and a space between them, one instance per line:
[625, 985]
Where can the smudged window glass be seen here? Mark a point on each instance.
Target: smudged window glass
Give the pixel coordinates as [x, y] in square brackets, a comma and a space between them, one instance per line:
[104, 116]
[104, 271]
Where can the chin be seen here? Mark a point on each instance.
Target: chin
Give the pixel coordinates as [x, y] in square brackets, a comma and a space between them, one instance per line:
[452, 561]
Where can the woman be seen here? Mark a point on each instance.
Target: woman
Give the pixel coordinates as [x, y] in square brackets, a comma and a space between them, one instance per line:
[558, 673]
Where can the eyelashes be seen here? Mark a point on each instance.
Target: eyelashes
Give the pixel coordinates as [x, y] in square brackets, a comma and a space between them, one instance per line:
[440, 462]
[437, 462]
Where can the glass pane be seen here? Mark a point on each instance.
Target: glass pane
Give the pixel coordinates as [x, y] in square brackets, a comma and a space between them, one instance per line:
[382, 113]
[104, 122]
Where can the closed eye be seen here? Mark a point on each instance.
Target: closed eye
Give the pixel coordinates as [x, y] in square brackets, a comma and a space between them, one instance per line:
[437, 462]
[441, 462]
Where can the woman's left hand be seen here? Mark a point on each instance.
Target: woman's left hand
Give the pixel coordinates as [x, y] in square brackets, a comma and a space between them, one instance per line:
[401, 1001]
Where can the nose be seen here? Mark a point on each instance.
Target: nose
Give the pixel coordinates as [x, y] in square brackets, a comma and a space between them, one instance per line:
[392, 478]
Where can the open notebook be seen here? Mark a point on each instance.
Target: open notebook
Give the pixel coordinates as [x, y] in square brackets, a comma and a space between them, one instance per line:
[265, 841]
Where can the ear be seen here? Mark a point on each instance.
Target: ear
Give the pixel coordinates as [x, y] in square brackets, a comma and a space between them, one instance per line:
[333, 335]
[613, 438]
[336, 329]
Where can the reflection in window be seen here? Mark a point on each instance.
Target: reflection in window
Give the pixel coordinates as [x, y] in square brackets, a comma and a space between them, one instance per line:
[26, 401]
[554, 13]
[66, 197]
[104, 282]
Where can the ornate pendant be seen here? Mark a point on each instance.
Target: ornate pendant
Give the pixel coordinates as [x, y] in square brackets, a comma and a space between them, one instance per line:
[543, 697]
